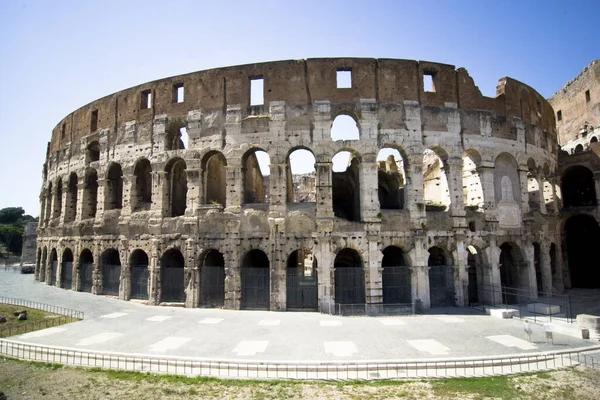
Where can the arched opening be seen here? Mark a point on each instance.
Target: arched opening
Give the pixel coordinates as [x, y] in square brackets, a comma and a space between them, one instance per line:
[172, 268]
[472, 189]
[212, 280]
[58, 199]
[66, 275]
[533, 186]
[86, 271]
[255, 281]
[594, 139]
[582, 236]
[578, 187]
[547, 193]
[514, 275]
[553, 267]
[506, 179]
[256, 172]
[474, 274]
[176, 137]
[301, 177]
[71, 206]
[436, 193]
[43, 263]
[114, 187]
[344, 127]
[92, 152]
[390, 179]
[111, 272]
[349, 277]
[53, 267]
[395, 277]
[579, 149]
[346, 186]
[176, 187]
[142, 193]
[139, 274]
[38, 264]
[537, 265]
[90, 195]
[302, 284]
[441, 279]
[48, 212]
[215, 178]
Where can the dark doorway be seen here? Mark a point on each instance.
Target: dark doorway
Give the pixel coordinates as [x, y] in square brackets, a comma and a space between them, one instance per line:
[66, 276]
[396, 277]
[537, 264]
[346, 192]
[302, 284]
[53, 267]
[172, 267]
[582, 236]
[513, 274]
[255, 276]
[578, 188]
[86, 271]
[349, 278]
[441, 279]
[472, 276]
[139, 275]
[111, 272]
[212, 280]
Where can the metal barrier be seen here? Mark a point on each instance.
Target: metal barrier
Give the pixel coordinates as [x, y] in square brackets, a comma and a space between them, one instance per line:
[379, 309]
[314, 370]
[41, 306]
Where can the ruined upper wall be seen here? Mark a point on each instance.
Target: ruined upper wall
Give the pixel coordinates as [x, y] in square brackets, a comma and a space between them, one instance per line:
[301, 82]
[578, 102]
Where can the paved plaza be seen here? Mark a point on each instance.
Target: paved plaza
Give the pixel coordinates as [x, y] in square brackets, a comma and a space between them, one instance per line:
[129, 327]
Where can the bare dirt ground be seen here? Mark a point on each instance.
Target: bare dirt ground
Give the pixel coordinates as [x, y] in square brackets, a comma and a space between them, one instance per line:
[22, 380]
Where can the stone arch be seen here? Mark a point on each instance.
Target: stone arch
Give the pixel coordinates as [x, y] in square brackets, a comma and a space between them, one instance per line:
[43, 264]
[391, 178]
[579, 148]
[477, 287]
[114, 187]
[92, 152]
[345, 127]
[48, 212]
[214, 169]
[582, 236]
[255, 278]
[594, 139]
[301, 176]
[349, 277]
[86, 270]
[396, 277]
[57, 203]
[139, 262]
[436, 192]
[472, 188]
[176, 187]
[212, 279]
[172, 271]
[533, 185]
[302, 281]
[537, 267]
[175, 134]
[111, 272]
[578, 187]
[71, 205]
[66, 274]
[346, 190]
[89, 204]
[38, 262]
[514, 273]
[506, 179]
[53, 267]
[441, 278]
[255, 179]
[142, 190]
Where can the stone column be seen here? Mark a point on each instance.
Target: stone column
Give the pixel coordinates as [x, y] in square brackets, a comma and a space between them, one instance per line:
[191, 275]
[160, 194]
[545, 267]
[325, 273]
[235, 188]
[461, 268]
[76, 285]
[322, 120]
[597, 186]
[128, 192]
[419, 280]
[555, 205]
[453, 169]
[523, 169]
[154, 274]
[373, 271]
[193, 176]
[541, 200]
[278, 188]
[97, 271]
[277, 265]
[80, 198]
[558, 276]
[100, 198]
[494, 296]
[125, 279]
[530, 270]
[413, 191]
[486, 175]
[324, 189]
[63, 208]
[233, 283]
[369, 199]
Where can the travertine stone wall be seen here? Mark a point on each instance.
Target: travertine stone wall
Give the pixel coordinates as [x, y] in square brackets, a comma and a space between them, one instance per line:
[502, 136]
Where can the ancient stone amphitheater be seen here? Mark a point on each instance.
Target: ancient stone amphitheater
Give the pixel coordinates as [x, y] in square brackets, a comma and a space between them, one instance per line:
[220, 188]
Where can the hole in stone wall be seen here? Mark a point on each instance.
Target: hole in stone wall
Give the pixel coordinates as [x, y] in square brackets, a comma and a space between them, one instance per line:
[63, 130]
[146, 99]
[178, 93]
[300, 175]
[436, 193]
[257, 91]
[428, 81]
[256, 173]
[94, 121]
[346, 188]
[93, 152]
[559, 115]
[390, 179]
[587, 96]
[344, 127]
[344, 78]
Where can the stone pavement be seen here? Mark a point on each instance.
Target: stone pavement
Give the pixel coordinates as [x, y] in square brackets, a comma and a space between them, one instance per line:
[129, 327]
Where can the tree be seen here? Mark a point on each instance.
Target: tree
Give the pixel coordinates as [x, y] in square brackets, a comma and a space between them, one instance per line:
[11, 215]
[12, 237]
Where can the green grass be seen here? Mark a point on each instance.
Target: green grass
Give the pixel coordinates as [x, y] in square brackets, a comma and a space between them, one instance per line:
[36, 320]
[496, 386]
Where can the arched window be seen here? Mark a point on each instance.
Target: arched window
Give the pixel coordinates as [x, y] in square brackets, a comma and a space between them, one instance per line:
[255, 170]
[66, 275]
[255, 279]
[71, 206]
[436, 192]
[212, 280]
[86, 270]
[58, 199]
[114, 187]
[396, 283]
[92, 152]
[344, 127]
[349, 276]
[111, 272]
[142, 197]
[176, 187]
[578, 187]
[390, 179]
[441, 279]
[90, 195]
[172, 266]
[346, 186]
[301, 282]
[301, 177]
[139, 274]
[215, 178]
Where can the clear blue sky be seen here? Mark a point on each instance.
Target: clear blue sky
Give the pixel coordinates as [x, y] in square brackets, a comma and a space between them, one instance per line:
[56, 56]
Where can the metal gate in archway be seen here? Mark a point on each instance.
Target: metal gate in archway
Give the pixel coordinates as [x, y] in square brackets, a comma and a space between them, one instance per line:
[349, 285]
[139, 282]
[54, 268]
[302, 289]
[111, 278]
[396, 285]
[87, 277]
[255, 288]
[441, 286]
[66, 277]
[212, 286]
[172, 285]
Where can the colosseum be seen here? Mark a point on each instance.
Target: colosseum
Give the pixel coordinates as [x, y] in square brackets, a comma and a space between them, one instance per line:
[245, 187]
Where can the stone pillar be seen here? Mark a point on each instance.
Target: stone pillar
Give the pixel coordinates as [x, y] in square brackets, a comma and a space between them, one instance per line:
[235, 187]
[322, 120]
[128, 192]
[541, 200]
[76, 285]
[324, 189]
[461, 268]
[154, 275]
[413, 190]
[233, 285]
[125, 278]
[160, 193]
[97, 272]
[597, 186]
[369, 199]
[325, 273]
[100, 197]
[278, 266]
[486, 175]
[193, 176]
[191, 275]
[523, 170]
[558, 276]
[555, 205]
[278, 188]
[63, 208]
[545, 267]
[530, 270]
[368, 119]
[494, 296]
[277, 120]
[373, 270]
[419, 280]
[80, 198]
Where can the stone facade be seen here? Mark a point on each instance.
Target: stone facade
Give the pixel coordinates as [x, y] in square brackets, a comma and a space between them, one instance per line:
[156, 192]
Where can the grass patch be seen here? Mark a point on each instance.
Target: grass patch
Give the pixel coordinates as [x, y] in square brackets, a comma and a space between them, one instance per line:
[36, 320]
[495, 386]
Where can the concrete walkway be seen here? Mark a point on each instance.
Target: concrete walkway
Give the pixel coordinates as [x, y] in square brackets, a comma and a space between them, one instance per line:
[116, 327]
